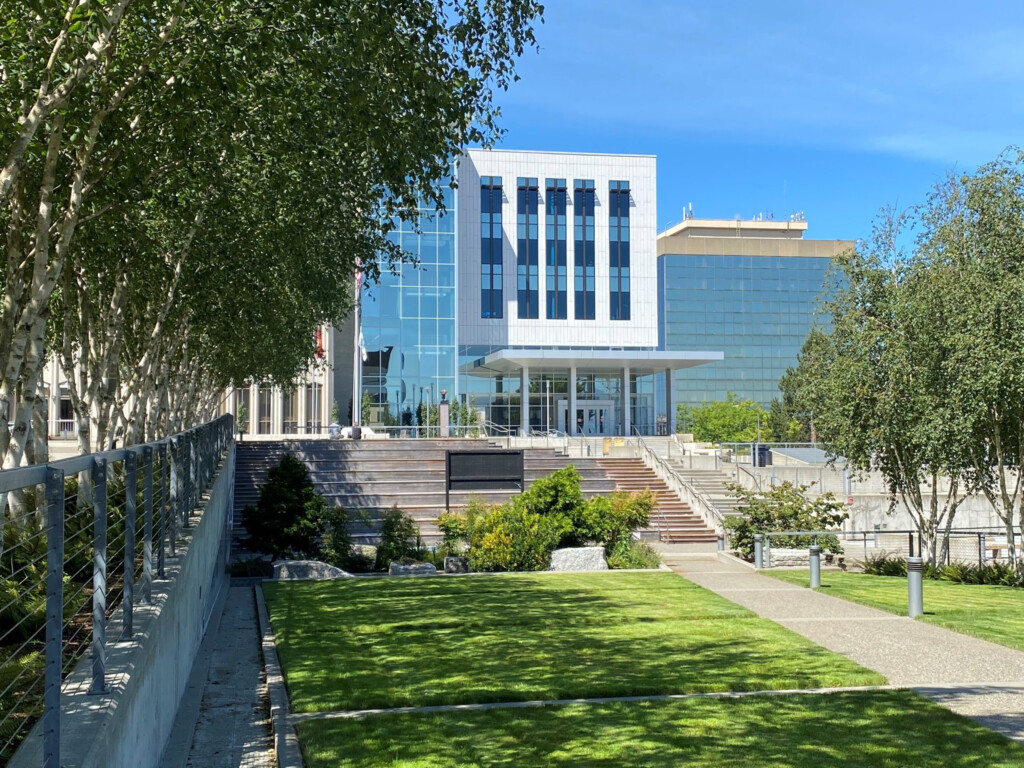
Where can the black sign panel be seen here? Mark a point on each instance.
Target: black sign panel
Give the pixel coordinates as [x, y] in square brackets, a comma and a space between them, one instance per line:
[483, 471]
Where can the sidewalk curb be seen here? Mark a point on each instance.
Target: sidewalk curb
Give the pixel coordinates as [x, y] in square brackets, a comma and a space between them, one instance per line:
[286, 743]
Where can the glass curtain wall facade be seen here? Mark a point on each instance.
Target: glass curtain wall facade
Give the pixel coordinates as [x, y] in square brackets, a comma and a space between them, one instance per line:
[583, 252]
[555, 204]
[756, 309]
[618, 241]
[527, 279]
[490, 247]
[408, 318]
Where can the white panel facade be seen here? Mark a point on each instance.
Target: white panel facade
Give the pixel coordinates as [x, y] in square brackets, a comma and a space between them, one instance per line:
[640, 331]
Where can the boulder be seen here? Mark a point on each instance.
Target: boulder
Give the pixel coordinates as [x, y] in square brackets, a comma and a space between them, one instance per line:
[456, 565]
[416, 569]
[579, 559]
[307, 569]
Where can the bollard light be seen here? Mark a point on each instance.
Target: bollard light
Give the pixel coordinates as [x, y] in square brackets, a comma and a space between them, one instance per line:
[758, 552]
[915, 597]
[815, 566]
[721, 542]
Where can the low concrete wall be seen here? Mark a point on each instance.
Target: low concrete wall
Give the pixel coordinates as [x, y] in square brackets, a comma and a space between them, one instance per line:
[129, 726]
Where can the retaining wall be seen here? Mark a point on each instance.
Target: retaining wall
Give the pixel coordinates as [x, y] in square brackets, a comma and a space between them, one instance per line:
[128, 727]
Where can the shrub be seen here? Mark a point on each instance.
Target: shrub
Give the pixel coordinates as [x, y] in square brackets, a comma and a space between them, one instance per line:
[611, 519]
[335, 540]
[628, 553]
[885, 565]
[512, 538]
[287, 519]
[784, 508]
[454, 532]
[398, 538]
[556, 494]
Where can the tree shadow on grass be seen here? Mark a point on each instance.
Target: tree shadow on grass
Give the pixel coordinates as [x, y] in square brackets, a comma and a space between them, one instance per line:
[884, 728]
[525, 639]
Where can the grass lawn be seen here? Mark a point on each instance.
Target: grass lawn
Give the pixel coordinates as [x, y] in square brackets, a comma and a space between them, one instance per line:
[989, 612]
[883, 728]
[385, 643]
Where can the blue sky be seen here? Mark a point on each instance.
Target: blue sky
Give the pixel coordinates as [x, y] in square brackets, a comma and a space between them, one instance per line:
[834, 109]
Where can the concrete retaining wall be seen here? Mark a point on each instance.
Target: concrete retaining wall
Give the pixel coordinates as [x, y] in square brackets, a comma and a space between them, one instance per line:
[129, 726]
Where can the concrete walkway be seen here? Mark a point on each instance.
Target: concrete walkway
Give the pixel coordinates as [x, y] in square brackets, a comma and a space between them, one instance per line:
[230, 727]
[973, 677]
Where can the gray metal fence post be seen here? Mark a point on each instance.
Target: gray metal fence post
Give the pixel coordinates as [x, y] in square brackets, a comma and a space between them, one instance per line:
[758, 551]
[981, 549]
[131, 487]
[186, 481]
[147, 527]
[164, 480]
[815, 553]
[54, 616]
[915, 596]
[99, 577]
[174, 485]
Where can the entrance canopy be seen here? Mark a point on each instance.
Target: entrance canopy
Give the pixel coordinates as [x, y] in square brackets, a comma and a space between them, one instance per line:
[639, 362]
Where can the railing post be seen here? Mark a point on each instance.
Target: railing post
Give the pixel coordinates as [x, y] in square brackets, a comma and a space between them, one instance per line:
[915, 596]
[174, 485]
[981, 549]
[758, 551]
[164, 498]
[54, 616]
[815, 556]
[131, 487]
[910, 543]
[99, 576]
[147, 526]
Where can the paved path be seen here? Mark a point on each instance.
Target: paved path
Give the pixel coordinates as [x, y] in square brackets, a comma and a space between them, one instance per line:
[232, 726]
[976, 678]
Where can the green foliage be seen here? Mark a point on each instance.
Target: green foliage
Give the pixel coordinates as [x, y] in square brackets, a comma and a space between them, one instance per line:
[993, 574]
[335, 544]
[627, 553]
[398, 538]
[557, 494]
[454, 532]
[242, 419]
[611, 519]
[512, 538]
[723, 421]
[784, 507]
[288, 518]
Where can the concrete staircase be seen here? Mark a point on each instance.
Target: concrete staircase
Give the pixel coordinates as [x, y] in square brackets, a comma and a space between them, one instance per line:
[673, 520]
[368, 477]
[712, 483]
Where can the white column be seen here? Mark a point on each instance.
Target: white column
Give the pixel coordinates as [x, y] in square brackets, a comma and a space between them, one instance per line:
[254, 409]
[570, 427]
[627, 421]
[300, 403]
[524, 400]
[276, 412]
[670, 399]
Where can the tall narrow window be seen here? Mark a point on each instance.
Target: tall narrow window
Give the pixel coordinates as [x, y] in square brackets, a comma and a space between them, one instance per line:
[527, 198]
[583, 257]
[618, 236]
[555, 236]
[490, 247]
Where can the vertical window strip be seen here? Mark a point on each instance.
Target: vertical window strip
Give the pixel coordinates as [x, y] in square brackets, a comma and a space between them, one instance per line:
[490, 247]
[583, 257]
[557, 249]
[618, 226]
[527, 251]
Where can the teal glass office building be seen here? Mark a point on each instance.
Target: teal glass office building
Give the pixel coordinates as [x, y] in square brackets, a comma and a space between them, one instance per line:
[750, 291]
[409, 322]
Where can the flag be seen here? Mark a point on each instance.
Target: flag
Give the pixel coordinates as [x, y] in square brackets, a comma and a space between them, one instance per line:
[362, 346]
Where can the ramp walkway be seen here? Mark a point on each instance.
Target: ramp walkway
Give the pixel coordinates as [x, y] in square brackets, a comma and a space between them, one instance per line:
[972, 677]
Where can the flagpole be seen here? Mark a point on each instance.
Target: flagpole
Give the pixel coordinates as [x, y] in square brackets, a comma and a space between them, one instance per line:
[357, 360]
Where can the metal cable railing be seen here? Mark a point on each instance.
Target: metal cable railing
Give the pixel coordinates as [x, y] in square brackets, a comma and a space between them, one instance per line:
[81, 542]
[682, 486]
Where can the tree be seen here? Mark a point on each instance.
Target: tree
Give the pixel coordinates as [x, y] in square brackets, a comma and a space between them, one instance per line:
[878, 384]
[723, 421]
[784, 507]
[191, 185]
[287, 520]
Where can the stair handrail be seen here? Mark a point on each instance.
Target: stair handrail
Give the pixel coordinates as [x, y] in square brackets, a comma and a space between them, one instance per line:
[711, 514]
